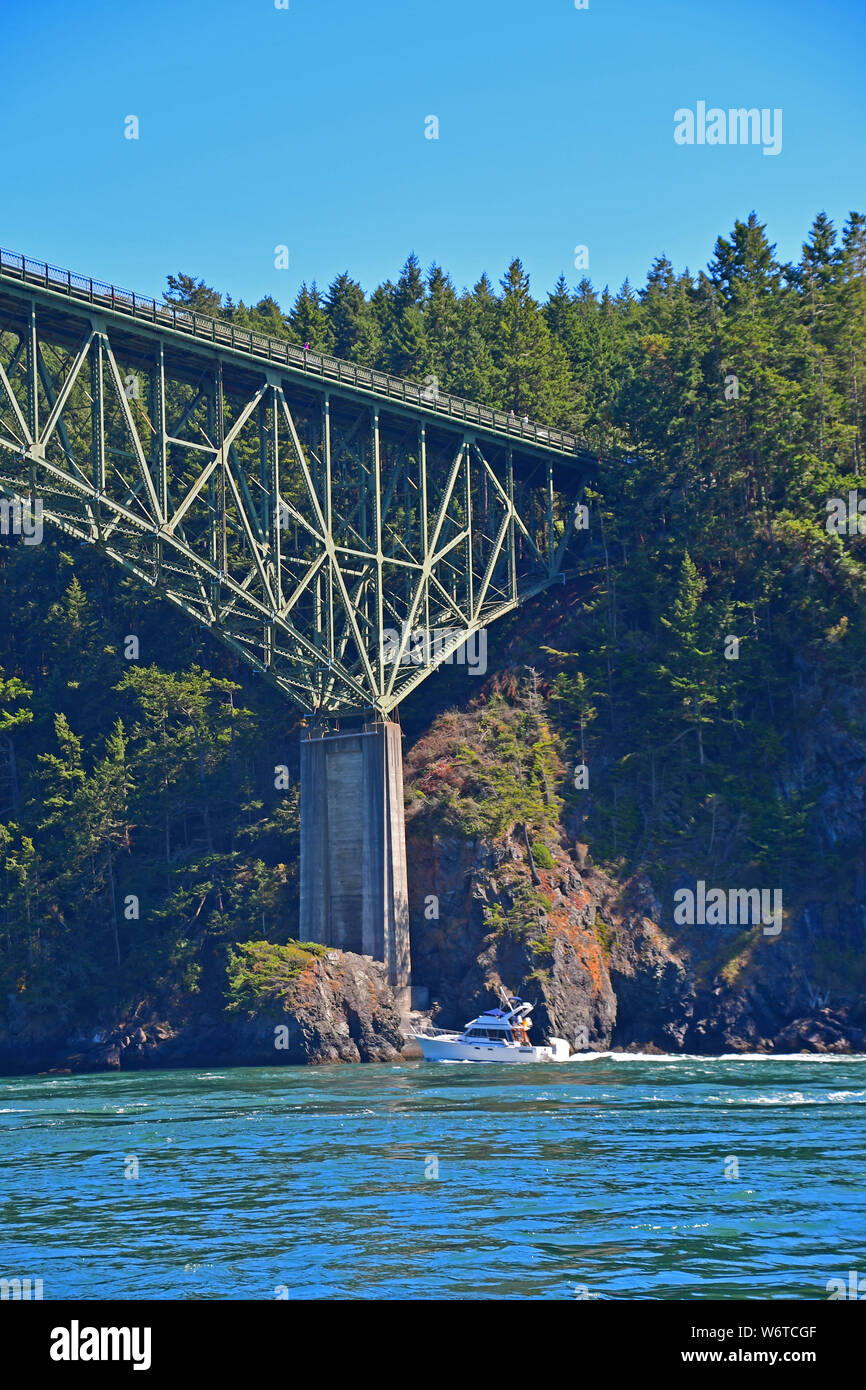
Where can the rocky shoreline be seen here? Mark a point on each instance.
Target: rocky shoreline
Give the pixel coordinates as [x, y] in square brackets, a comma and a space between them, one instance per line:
[603, 970]
[342, 1010]
[159, 1047]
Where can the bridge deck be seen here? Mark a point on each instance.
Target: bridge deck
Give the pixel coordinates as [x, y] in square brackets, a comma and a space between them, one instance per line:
[49, 280]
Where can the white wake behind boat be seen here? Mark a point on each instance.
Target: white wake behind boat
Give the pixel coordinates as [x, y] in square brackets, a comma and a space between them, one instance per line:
[499, 1035]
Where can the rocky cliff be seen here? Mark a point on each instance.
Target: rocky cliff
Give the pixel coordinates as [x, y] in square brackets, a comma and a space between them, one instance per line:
[336, 1008]
[603, 960]
[504, 890]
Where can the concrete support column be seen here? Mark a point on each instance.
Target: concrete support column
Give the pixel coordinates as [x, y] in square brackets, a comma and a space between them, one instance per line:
[354, 891]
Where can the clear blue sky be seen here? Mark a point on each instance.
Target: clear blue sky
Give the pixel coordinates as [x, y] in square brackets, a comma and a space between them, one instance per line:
[305, 127]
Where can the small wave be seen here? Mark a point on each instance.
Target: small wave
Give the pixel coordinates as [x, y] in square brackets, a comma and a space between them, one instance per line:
[823, 1057]
[790, 1098]
[786, 1098]
[708, 1058]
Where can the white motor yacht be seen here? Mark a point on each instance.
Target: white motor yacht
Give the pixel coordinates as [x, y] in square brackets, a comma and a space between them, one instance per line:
[498, 1035]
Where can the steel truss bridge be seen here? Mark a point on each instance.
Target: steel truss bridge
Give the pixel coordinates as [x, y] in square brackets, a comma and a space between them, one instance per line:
[302, 507]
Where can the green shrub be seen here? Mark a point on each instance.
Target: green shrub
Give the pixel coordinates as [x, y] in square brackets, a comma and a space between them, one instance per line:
[541, 855]
[261, 975]
[603, 931]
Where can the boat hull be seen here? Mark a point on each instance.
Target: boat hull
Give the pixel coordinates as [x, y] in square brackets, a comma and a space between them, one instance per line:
[450, 1049]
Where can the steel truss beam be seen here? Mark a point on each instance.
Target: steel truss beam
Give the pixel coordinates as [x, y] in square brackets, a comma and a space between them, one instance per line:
[313, 529]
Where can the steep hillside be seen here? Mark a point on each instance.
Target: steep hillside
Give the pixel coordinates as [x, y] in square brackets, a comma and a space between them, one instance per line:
[687, 712]
[597, 947]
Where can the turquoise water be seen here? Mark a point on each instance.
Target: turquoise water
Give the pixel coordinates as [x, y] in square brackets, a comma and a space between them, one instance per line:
[601, 1178]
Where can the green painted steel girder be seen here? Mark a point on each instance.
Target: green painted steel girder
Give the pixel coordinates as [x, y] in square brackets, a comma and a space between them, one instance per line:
[316, 515]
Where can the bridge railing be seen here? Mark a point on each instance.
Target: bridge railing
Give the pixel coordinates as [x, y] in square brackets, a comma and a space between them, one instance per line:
[14, 266]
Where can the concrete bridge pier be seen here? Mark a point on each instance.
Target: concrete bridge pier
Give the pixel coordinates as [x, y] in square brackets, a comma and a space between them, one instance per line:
[354, 890]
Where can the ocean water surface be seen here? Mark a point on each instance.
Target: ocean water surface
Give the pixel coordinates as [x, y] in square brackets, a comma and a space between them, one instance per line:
[610, 1177]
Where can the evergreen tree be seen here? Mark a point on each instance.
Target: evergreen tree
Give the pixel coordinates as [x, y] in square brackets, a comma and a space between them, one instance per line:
[13, 714]
[346, 309]
[185, 292]
[442, 326]
[533, 364]
[309, 321]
